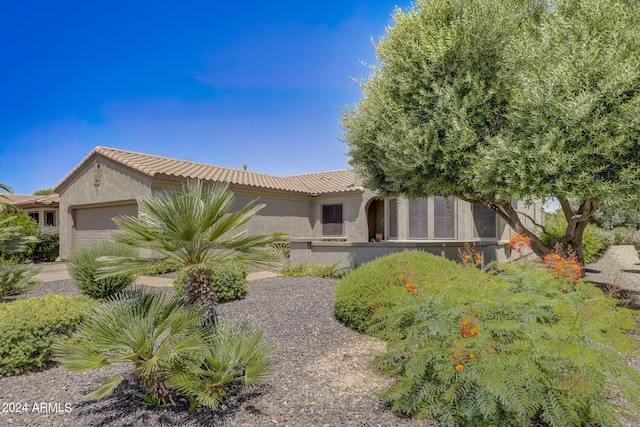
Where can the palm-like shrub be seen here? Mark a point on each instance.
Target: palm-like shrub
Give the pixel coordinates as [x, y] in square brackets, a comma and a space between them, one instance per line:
[173, 353]
[229, 281]
[192, 227]
[16, 279]
[83, 265]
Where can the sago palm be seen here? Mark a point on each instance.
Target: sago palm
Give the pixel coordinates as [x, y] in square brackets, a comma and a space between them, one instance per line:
[172, 352]
[192, 227]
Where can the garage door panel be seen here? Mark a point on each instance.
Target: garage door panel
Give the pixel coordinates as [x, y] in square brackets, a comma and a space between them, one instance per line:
[92, 224]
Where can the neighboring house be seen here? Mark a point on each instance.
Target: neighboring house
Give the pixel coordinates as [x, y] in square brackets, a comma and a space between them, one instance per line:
[43, 209]
[329, 216]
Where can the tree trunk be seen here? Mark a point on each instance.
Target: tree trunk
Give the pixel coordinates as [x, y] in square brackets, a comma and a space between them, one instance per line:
[198, 289]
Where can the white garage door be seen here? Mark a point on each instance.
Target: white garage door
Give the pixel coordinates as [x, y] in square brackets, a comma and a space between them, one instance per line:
[91, 224]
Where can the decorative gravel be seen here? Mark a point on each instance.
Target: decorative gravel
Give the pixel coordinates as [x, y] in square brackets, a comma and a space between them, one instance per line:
[321, 374]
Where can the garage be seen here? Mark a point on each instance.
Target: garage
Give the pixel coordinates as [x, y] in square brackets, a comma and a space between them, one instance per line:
[92, 223]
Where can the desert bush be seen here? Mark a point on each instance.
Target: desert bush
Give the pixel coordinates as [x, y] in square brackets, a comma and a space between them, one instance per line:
[83, 269]
[16, 279]
[229, 282]
[623, 235]
[510, 347]
[30, 326]
[20, 243]
[314, 270]
[595, 241]
[47, 248]
[173, 353]
[380, 282]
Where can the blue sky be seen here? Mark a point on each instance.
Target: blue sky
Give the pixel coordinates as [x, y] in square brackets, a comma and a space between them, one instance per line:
[251, 82]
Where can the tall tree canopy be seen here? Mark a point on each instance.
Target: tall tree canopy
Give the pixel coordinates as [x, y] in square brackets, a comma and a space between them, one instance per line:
[491, 99]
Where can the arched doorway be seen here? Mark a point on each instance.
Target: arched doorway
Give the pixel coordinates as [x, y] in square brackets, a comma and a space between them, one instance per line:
[375, 219]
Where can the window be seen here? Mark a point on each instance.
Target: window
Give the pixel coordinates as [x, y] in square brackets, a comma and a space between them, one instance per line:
[444, 217]
[418, 219]
[332, 223]
[393, 218]
[484, 221]
[50, 218]
[35, 216]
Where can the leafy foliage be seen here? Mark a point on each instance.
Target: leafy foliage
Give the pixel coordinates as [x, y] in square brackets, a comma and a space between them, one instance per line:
[173, 353]
[30, 326]
[623, 235]
[18, 235]
[83, 265]
[48, 247]
[512, 347]
[488, 100]
[595, 241]
[16, 279]
[229, 281]
[314, 270]
[44, 192]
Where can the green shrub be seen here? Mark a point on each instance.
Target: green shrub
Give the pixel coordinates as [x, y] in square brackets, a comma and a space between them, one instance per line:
[229, 282]
[314, 270]
[506, 348]
[282, 249]
[14, 248]
[16, 279]
[48, 247]
[83, 269]
[595, 241]
[30, 326]
[635, 240]
[363, 290]
[623, 235]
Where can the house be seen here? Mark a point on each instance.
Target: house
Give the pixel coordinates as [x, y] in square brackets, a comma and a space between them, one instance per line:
[43, 209]
[329, 216]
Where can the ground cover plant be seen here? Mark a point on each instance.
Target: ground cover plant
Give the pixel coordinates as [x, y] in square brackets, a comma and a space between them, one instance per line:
[510, 347]
[176, 357]
[83, 265]
[30, 326]
[312, 269]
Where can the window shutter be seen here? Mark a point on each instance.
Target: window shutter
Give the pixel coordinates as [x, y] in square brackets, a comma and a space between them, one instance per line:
[332, 221]
[418, 219]
[484, 221]
[393, 218]
[444, 219]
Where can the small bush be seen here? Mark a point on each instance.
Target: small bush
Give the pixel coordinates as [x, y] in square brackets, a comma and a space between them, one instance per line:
[229, 282]
[83, 269]
[16, 279]
[623, 235]
[48, 247]
[501, 348]
[595, 241]
[28, 227]
[635, 240]
[314, 270]
[30, 326]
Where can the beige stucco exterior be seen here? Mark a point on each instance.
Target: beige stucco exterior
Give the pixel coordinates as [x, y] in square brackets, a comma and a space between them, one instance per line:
[101, 182]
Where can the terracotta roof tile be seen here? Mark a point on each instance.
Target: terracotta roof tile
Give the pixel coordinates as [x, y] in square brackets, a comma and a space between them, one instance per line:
[153, 166]
[23, 200]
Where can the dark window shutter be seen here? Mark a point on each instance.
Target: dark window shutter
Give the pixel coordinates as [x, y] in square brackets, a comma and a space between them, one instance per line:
[393, 218]
[484, 221]
[332, 221]
[418, 219]
[444, 219]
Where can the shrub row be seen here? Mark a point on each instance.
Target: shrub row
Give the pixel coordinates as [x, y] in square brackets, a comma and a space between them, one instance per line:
[513, 347]
[229, 282]
[314, 270]
[30, 326]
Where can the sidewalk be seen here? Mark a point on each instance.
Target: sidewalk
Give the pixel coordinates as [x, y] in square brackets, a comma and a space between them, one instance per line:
[52, 271]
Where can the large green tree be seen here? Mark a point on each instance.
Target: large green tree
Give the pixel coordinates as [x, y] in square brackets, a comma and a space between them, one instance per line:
[490, 99]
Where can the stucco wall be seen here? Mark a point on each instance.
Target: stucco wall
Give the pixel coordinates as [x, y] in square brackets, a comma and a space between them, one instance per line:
[116, 183]
[353, 214]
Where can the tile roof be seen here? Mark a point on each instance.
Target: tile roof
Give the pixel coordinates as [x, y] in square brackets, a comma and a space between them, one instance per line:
[156, 166]
[24, 200]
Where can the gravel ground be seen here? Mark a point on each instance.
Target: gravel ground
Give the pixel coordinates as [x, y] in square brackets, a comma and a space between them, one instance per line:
[321, 374]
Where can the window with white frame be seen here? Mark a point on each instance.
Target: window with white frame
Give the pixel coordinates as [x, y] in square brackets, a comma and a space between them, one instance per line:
[50, 218]
[332, 220]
